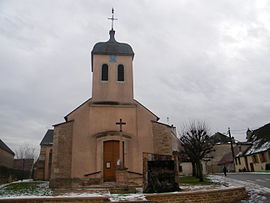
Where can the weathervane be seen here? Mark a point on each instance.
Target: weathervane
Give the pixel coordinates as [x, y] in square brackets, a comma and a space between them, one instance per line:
[112, 18]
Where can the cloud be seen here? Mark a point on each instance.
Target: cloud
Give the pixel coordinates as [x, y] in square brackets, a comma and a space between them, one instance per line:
[193, 60]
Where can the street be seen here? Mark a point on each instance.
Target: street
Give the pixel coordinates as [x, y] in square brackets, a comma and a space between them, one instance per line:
[259, 179]
[257, 185]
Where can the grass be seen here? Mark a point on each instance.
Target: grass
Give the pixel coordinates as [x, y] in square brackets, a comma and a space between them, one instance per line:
[190, 180]
[35, 188]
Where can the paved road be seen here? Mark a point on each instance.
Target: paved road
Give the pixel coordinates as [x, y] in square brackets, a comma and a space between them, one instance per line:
[257, 186]
[259, 179]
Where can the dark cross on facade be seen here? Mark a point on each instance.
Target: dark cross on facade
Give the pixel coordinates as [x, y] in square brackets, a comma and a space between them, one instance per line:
[112, 18]
[120, 124]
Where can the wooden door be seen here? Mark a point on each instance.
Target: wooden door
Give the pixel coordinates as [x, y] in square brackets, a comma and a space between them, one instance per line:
[110, 156]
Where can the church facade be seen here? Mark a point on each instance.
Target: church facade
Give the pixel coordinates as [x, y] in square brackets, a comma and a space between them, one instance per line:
[106, 137]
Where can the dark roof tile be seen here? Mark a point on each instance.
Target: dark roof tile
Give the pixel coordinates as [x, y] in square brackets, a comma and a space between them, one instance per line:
[112, 47]
[47, 139]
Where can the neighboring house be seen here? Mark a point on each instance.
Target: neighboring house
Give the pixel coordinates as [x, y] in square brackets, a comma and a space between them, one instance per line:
[222, 153]
[24, 164]
[227, 159]
[257, 157]
[42, 167]
[6, 155]
[221, 148]
[210, 164]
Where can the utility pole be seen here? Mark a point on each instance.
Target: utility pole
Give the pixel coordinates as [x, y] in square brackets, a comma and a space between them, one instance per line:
[231, 140]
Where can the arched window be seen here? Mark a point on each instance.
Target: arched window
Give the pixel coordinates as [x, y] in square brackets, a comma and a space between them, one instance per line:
[120, 75]
[104, 72]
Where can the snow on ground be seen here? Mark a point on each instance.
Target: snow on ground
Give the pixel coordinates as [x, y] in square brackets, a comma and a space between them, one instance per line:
[200, 187]
[256, 193]
[127, 197]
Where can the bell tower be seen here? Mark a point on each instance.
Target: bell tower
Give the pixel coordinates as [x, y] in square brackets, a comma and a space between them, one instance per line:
[112, 80]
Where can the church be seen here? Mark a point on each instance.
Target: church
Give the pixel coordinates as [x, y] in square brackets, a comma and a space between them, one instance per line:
[109, 137]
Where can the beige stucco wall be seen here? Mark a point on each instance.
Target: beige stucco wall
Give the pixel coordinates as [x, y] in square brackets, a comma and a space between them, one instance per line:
[112, 90]
[187, 168]
[90, 120]
[241, 165]
[6, 159]
[94, 122]
[258, 166]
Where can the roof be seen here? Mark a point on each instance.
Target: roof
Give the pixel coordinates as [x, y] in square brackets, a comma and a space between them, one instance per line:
[4, 147]
[138, 103]
[47, 139]
[169, 126]
[262, 134]
[257, 147]
[262, 131]
[112, 47]
[220, 138]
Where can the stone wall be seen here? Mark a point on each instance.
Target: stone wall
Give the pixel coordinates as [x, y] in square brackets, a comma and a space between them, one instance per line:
[62, 156]
[215, 196]
[162, 139]
[227, 195]
[39, 167]
[6, 159]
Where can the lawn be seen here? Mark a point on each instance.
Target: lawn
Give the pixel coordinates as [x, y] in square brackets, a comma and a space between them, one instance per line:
[190, 180]
[31, 188]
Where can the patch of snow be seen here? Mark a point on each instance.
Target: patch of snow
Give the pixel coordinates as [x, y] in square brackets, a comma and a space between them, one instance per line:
[256, 149]
[127, 197]
[200, 187]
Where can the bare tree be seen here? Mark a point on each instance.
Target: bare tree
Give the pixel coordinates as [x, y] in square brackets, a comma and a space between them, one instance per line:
[26, 151]
[196, 144]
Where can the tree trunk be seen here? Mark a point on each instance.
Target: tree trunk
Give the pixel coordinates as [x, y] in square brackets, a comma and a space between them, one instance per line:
[194, 169]
[200, 170]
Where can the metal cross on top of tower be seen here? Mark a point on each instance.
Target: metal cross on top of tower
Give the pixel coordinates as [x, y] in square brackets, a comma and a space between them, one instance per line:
[112, 18]
[120, 124]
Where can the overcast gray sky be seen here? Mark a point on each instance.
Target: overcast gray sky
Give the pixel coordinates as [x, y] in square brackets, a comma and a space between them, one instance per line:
[207, 60]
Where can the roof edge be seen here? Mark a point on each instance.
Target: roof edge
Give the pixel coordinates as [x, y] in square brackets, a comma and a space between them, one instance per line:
[147, 109]
[63, 123]
[77, 108]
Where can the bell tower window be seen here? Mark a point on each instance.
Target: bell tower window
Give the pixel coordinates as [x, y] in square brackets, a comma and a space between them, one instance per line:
[120, 73]
[104, 72]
